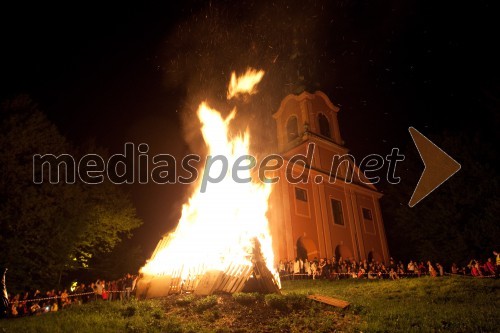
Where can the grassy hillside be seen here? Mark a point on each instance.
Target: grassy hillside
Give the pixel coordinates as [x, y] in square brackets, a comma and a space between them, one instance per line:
[418, 305]
[454, 304]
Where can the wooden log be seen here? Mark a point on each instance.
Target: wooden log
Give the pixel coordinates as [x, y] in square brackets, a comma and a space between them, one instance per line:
[245, 275]
[208, 283]
[228, 287]
[175, 284]
[159, 286]
[236, 279]
[330, 301]
[265, 278]
[227, 277]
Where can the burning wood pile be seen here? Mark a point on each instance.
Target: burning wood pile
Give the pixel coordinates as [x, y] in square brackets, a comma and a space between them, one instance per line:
[250, 277]
[222, 242]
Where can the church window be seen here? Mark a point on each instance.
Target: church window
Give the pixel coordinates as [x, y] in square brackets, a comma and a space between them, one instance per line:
[292, 129]
[324, 125]
[300, 194]
[338, 217]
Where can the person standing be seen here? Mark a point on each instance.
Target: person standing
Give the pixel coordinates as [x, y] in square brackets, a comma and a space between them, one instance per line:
[497, 261]
[98, 289]
[4, 302]
[411, 268]
[440, 269]
[432, 270]
[128, 285]
[489, 268]
[121, 288]
[113, 288]
[281, 268]
[307, 268]
[296, 268]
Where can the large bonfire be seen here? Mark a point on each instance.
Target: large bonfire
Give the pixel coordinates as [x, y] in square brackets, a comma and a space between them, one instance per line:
[224, 228]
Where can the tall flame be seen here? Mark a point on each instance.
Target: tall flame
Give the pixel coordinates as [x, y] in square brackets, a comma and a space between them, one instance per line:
[217, 228]
[245, 83]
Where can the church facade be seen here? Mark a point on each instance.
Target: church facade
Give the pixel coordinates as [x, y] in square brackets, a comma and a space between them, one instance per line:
[319, 217]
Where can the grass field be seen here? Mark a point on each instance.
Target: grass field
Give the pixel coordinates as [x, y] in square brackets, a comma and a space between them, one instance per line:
[451, 304]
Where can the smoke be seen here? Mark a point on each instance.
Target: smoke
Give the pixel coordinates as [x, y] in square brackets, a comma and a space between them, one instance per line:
[285, 40]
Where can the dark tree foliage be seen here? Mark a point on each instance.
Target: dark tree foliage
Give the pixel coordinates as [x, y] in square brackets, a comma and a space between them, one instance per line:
[124, 258]
[47, 229]
[456, 222]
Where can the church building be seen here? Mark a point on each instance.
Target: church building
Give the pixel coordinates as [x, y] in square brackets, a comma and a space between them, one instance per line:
[319, 217]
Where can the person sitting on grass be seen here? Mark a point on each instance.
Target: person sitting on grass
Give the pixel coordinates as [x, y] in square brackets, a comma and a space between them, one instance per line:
[314, 269]
[393, 275]
[35, 309]
[13, 309]
[54, 307]
[343, 270]
[372, 273]
[361, 272]
[401, 269]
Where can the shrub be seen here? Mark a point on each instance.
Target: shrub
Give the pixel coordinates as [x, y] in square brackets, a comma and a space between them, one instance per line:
[186, 300]
[171, 325]
[211, 315]
[246, 298]
[297, 301]
[157, 314]
[129, 311]
[276, 301]
[133, 327]
[205, 303]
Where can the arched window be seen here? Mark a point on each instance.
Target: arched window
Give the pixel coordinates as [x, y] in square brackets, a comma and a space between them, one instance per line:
[292, 129]
[324, 125]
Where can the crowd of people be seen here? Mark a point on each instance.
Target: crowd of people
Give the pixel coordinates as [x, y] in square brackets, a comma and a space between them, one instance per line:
[339, 268]
[35, 302]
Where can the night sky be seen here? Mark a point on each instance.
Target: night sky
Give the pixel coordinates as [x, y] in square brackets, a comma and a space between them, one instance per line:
[135, 73]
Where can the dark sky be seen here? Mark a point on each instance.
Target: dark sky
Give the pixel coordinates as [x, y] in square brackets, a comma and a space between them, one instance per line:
[134, 73]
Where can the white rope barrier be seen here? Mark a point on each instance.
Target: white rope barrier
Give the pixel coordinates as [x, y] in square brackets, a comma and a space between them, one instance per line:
[35, 300]
[384, 274]
[471, 276]
[352, 274]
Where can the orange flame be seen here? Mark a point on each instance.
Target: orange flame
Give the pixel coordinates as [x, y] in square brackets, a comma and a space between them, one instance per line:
[217, 227]
[244, 84]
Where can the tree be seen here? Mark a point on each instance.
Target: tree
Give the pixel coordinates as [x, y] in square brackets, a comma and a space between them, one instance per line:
[49, 228]
[456, 222]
